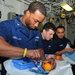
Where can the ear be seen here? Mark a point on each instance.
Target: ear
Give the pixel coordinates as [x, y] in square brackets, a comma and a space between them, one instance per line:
[27, 12]
[44, 30]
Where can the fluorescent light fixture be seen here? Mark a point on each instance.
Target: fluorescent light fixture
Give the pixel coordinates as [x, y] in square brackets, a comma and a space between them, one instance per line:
[66, 7]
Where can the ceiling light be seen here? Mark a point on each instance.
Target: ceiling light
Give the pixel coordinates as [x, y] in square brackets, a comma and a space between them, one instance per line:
[66, 7]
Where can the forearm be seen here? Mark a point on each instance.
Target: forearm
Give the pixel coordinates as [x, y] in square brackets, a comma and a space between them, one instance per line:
[14, 52]
[60, 52]
[7, 50]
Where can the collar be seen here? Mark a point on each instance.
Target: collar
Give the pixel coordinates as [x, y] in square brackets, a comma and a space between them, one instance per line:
[18, 22]
[23, 28]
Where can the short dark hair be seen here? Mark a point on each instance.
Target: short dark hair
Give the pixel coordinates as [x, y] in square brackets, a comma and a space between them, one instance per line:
[37, 6]
[48, 26]
[60, 27]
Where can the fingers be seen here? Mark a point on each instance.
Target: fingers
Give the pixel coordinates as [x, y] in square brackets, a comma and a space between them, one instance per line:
[50, 56]
[42, 55]
[39, 54]
[54, 65]
[35, 61]
[69, 50]
[51, 61]
[34, 54]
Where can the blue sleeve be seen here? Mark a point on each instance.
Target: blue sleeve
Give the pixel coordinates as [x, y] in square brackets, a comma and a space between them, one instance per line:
[4, 30]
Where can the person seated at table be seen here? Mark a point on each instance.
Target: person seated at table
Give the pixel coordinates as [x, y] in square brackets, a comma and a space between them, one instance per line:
[61, 41]
[47, 33]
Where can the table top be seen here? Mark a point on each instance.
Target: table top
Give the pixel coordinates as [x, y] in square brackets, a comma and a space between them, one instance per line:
[12, 70]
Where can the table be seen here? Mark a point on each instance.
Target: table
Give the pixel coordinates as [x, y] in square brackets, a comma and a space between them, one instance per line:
[12, 70]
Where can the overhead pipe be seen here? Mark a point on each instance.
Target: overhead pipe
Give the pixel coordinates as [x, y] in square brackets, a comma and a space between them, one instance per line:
[22, 1]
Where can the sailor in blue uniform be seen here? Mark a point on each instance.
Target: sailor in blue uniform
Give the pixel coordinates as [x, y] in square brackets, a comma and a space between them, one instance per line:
[19, 37]
[61, 41]
[47, 35]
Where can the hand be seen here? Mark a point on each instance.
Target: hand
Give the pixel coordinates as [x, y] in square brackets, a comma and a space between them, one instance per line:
[51, 61]
[50, 56]
[69, 49]
[36, 54]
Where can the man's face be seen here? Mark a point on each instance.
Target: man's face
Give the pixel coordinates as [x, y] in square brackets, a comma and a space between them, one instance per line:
[33, 19]
[48, 35]
[60, 32]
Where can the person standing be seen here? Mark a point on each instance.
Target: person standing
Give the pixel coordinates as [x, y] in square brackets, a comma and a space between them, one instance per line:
[19, 37]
